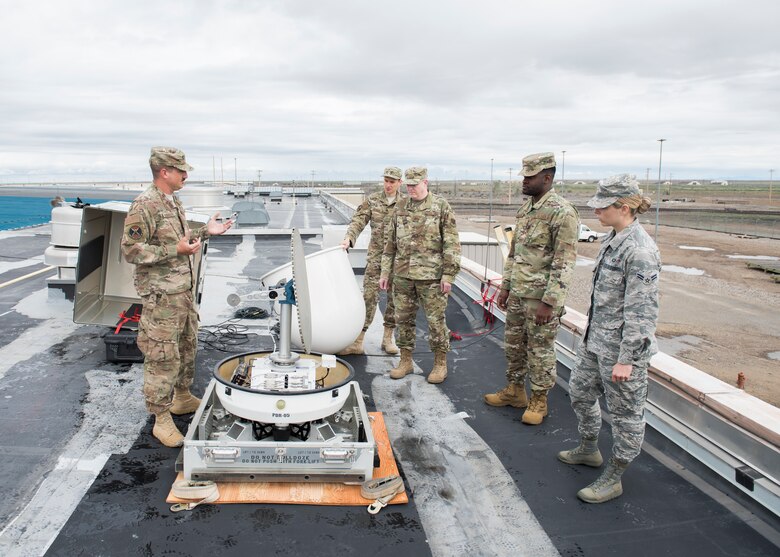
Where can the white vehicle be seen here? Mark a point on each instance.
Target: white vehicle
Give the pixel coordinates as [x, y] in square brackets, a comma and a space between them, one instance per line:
[588, 235]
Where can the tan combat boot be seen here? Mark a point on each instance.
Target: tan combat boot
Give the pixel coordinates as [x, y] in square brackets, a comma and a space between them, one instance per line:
[587, 453]
[354, 348]
[388, 342]
[511, 395]
[537, 408]
[439, 371]
[607, 486]
[184, 402]
[166, 431]
[405, 366]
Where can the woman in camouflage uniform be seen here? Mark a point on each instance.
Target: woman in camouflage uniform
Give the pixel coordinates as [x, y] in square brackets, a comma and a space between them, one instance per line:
[619, 340]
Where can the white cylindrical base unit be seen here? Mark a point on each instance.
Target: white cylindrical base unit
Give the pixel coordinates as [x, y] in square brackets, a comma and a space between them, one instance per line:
[283, 406]
[57, 256]
[337, 307]
[66, 226]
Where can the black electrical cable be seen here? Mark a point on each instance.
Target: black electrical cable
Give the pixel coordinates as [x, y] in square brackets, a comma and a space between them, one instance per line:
[224, 336]
[252, 312]
[321, 381]
[481, 336]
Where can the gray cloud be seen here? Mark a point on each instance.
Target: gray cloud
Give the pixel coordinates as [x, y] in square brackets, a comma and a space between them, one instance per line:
[347, 87]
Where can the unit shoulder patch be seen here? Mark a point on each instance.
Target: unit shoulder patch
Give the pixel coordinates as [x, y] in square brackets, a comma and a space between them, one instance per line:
[134, 232]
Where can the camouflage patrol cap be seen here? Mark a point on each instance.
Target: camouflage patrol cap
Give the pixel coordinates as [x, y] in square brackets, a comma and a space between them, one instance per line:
[613, 188]
[169, 156]
[414, 175]
[534, 164]
[392, 172]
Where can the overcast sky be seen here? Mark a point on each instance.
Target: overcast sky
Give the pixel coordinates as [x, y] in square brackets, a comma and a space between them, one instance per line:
[346, 87]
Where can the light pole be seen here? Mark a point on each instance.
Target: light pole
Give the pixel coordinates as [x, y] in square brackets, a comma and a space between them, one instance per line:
[771, 171]
[235, 170]
[563, 172]
[658, 201]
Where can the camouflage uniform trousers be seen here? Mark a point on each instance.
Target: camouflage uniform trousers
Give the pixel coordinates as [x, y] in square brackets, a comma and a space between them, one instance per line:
[530, 348]
[591, 378]
[407, 294]
[168, 337]
[371, 294]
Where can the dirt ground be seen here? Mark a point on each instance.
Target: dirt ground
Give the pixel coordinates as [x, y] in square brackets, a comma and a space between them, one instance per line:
[716, 314]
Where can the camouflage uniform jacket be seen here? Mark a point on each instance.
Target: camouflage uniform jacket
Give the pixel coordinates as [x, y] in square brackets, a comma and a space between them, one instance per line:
[541, 260]
[153, 227]
[376, 211]
[624, 303]
[421, 241]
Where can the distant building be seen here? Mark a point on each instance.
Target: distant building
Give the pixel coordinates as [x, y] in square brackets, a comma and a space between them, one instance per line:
[719, 182]
[694, 183]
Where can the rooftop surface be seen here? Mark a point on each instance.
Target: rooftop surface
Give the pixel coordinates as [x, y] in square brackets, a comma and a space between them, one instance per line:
[82, 475]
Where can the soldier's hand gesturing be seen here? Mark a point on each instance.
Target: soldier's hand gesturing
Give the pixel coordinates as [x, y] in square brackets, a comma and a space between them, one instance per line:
[215, 228]
[187, 246]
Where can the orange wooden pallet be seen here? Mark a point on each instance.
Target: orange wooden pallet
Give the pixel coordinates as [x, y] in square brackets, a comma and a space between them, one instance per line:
[308, 493]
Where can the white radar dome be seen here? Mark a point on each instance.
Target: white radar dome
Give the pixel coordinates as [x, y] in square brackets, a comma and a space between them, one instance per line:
[337, 307]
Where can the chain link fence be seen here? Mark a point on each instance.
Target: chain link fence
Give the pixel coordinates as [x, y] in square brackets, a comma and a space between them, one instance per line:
[764, 225]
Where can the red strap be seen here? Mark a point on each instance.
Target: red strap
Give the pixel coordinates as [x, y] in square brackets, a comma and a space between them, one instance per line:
[486, 302]
[124, 318]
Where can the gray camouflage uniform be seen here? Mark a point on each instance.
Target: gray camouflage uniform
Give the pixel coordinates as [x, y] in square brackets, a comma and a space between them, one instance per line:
[422, 248]
[539, 267]
[375, 210]
[621, 329]
[167, 333]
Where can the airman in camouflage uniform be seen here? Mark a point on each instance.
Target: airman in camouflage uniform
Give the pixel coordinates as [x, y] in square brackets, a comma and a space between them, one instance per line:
[422, 258]
[376, 210]
[537, 273]
[157, 239]
[619, 340]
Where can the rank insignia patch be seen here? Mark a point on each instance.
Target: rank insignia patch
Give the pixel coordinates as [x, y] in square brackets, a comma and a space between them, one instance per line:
[134, 232]
[647, 280]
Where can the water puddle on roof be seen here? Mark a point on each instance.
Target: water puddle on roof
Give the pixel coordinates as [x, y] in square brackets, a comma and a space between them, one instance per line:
[696, 248]
[773, 355]
[764, 257]
[673, 346]
[683, 270]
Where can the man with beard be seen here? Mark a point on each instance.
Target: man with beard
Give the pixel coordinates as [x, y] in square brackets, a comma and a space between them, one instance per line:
[158, 240]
